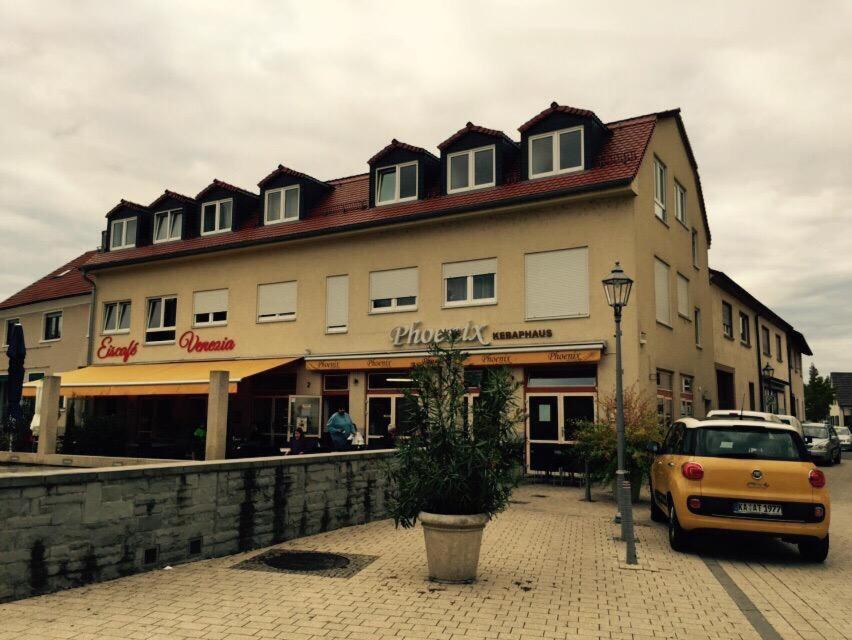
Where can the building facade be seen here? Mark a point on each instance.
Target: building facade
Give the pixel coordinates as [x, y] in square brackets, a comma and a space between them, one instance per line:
[841, 409]
[758, 354]
[316, 295]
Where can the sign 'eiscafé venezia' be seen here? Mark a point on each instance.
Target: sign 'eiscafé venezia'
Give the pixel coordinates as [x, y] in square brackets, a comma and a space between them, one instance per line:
[189, 341]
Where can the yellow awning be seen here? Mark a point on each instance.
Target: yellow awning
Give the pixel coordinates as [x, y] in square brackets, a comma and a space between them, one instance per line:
[173, 378]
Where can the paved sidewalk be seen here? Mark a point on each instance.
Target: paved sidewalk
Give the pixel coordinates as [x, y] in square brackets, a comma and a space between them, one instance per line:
[550, 569]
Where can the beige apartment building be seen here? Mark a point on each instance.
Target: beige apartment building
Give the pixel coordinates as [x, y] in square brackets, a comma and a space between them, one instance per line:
[316, 295]
[758, 354]
[54, 314]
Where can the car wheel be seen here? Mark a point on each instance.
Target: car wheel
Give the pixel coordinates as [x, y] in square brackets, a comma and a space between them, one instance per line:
[838, 458]
[814, 550]
[657, 514]
[678, 538]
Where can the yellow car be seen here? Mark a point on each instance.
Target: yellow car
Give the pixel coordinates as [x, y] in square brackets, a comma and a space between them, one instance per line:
[740, 475]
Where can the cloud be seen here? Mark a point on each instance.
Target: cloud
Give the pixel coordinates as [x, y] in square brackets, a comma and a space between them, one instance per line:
[101, 101]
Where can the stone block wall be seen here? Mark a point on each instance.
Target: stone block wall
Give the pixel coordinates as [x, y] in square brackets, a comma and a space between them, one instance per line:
[63, 529]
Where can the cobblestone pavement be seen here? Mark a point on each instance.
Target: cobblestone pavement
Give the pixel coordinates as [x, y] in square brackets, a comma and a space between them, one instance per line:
[550, 568]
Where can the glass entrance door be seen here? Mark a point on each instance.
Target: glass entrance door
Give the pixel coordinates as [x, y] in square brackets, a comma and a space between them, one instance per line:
[379, 418]
[552, 420]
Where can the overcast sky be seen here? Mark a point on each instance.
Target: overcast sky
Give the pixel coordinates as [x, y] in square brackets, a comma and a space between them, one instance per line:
[107, 100]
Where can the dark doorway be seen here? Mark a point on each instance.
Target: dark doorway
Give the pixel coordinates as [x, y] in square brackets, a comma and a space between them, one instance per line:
[332, 403]
[725, 389]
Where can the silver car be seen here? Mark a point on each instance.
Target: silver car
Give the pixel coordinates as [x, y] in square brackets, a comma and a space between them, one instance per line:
[822, 442]
[845, 436]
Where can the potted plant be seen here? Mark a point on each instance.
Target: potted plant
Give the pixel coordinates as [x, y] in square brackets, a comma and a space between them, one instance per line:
[596, 441]
[457, 465]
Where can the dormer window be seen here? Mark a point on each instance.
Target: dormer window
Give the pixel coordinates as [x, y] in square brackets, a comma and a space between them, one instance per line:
[556, 152]
[397, 183]
[167, 225]
[123, 233]
[216, 216]
[282, 205]
[471, 169]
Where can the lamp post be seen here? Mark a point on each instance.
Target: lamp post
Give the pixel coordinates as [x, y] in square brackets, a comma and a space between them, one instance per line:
[617, 289]
[768, 372]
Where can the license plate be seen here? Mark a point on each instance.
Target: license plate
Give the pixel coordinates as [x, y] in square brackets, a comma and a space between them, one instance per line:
[758, 509]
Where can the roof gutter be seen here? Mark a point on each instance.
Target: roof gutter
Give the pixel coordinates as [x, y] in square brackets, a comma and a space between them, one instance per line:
[624, 182]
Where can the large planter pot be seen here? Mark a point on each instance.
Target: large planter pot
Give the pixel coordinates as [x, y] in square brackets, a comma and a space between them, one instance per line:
[452, 545]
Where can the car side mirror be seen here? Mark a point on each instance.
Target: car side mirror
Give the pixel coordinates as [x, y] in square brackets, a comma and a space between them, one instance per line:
[809, 439]
[653, 447]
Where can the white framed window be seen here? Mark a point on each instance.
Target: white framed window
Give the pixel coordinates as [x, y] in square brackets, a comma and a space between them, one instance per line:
[556, 152]
[210, 308]
[276, 301]
[117, 317]
[471, 169]
[397, 183]
[557, 284]
[10, 325]
[660, 190]
[727, 320]
[393, 290]
[683, 305]
[337, 304]
[168, 225]
[662, 292]
[680, 202]
[160, 319]
[51, 326]
[686, 383]
[470, 283]
[282, 205]
[216, 217]
[122, 233]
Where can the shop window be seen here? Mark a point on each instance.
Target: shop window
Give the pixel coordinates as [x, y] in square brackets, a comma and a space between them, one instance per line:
[686, 395]
[683, 296]
[52, 326]
[335, 382]
[470, 169]
[396, 184]
[276, 301]
[662, 292]
[123, 233]
[210, 308]
[664, 396]
[10, 325]
[393, 290]
[168, 225]
[216, 216]
[305, 414]
[117, 317]
[270, 418]
[160, 319]
[282, 205]
[470, 283]
[660, 190]
[557, 284]
[337, 304]
[556, 152]
[393, 380]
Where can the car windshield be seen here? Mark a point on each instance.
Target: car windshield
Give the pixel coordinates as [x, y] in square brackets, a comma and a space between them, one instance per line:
[816, 432]
[750, 443]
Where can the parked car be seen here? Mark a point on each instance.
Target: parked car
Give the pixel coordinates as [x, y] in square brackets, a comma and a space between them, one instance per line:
[734, 414]
[823, 443]
[791, 420]
[845, 436]
[752, 476]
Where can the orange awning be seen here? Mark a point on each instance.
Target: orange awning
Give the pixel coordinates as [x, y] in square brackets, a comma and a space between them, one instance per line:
[173, 378]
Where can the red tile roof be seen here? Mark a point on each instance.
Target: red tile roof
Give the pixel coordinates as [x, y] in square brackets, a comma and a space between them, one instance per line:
[472, 128]
[224, 185]
[172, 194]
[346, 207]
[287, 171]
[57, 284]
[559, 108]
[127, 204]
[396, 144]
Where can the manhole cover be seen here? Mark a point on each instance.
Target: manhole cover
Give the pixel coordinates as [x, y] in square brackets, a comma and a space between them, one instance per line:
[306, 561]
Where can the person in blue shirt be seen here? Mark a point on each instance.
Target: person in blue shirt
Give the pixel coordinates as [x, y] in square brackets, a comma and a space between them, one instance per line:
[341, 429]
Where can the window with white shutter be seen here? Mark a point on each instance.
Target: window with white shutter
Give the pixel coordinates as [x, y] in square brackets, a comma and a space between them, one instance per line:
[683, 306]
[393, 290]
[557, 284]
[337, 304]
[470, 283]
[662, 291]
[210, 308]
[276, 301]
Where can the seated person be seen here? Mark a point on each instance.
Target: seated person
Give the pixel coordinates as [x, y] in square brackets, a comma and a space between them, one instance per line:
[299, 444]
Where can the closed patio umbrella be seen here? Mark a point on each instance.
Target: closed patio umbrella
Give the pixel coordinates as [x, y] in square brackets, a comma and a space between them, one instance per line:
[17, 352]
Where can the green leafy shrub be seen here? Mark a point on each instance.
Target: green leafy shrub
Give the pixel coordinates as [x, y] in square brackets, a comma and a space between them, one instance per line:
[451, 463]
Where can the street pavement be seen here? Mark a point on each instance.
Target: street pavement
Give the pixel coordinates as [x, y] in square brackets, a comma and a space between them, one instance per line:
[551, 568]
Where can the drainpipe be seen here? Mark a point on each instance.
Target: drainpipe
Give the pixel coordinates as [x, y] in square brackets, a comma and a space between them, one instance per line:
[91, 339]
[759, 368]
[789, 373]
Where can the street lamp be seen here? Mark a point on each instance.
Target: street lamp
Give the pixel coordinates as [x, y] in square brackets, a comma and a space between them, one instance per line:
[767, 373]
[617, 289]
